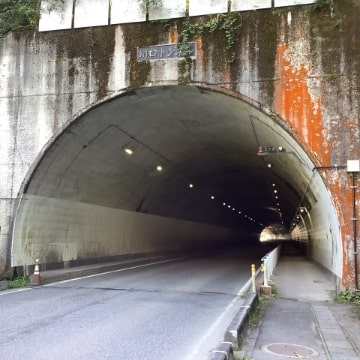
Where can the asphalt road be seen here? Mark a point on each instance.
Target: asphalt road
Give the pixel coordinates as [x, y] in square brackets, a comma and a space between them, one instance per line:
[174, 309]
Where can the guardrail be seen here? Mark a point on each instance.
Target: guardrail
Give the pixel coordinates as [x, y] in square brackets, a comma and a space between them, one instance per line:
[269, 262]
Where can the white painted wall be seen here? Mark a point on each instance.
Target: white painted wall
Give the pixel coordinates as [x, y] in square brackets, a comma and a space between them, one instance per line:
[91, 13]
[58, 18]
[170, 9]
[97, 12]
[126, 11]
[279, 3]
[205, 7]
[55, 230]
[244, 5]
[321, 224]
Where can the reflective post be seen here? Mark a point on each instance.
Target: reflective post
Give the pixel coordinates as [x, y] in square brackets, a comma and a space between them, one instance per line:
[253, 278]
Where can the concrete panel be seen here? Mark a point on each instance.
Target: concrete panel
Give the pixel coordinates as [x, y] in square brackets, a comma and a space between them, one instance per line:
[91, 13]
[279, 3]
[58, 18]
[170, 9]
[57, 230]
[206, 7]
[127, 11]
[245, 5]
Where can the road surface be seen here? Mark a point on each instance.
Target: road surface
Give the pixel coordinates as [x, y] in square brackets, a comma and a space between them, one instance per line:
[174, 308]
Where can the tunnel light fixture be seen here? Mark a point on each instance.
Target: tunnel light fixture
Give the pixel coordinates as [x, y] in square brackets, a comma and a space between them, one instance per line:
[229, 206]
[273, 185]
[159, 168]
[275, 191]
[269, 165]
[212, 197]
[233, 209]
[128, 150]
[191, 186]
[224, 204]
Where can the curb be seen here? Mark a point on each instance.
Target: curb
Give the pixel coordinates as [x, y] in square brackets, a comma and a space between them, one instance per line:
[236, 330]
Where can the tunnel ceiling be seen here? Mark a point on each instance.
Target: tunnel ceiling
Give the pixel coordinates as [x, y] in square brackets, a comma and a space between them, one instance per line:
[198, 137]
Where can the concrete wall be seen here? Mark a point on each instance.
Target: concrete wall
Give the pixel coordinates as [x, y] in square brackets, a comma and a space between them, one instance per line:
[61, 231]
[319, 227]
[304, 68]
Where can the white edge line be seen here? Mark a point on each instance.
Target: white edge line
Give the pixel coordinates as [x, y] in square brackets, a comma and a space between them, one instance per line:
[194, 353]
[113, 271]
[8, 292]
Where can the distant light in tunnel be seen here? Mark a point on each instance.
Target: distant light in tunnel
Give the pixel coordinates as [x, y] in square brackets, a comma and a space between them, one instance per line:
[229, 206]
[128, 151]
[159, 168]
[212, 197]
[275, 191]
[269, 165]
[191, 186]
[233, 209]
[224, 204]
[273, 184]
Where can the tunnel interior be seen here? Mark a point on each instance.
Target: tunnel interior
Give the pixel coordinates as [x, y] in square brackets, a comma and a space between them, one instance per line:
[176, 152]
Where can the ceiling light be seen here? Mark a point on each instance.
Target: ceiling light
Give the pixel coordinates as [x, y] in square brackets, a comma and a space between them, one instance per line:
[275, 191]
[191, 185]
[212, 197]
[269, 165]
[224, 204]
[273, 185]
[233, 209]
[229, 206]
[159, 168]
[128, 151]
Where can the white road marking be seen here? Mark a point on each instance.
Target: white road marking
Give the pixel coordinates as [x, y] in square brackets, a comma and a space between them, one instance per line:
[7, 292]
[115, 271]
[194, 354]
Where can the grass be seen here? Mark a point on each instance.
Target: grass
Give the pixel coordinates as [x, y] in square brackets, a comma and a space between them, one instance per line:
[18, 282]
[348, 296]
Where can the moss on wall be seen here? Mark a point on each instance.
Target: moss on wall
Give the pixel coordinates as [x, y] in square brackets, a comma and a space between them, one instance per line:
[93, 46]
[137, 35]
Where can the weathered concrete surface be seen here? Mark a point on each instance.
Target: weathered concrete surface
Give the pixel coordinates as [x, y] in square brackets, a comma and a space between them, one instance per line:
[303, 69]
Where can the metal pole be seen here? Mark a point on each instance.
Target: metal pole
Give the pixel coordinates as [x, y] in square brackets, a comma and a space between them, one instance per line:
[354, 219]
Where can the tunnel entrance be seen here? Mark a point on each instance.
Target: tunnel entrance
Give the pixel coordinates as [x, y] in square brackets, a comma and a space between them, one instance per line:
[169, 168]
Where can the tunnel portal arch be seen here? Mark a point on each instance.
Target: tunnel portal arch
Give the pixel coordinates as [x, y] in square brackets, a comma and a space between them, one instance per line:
[170, 168]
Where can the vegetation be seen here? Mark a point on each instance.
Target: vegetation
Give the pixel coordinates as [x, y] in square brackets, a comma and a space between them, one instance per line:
[228, 24]
[18, 282]
[348, 296]
[18, 14]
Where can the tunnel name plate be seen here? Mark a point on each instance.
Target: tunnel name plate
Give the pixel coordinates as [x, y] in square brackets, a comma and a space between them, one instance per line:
[163, 52]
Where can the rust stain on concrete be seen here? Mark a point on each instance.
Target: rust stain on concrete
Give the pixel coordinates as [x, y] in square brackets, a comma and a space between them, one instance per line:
[343, 199]
[294, 103]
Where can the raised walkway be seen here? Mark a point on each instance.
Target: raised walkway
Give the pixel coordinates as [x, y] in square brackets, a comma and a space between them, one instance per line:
[302, 321]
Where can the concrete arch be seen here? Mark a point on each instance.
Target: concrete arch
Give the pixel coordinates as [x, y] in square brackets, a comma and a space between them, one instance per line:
[87, 199]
